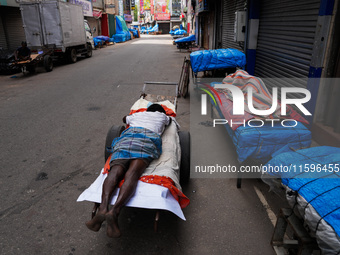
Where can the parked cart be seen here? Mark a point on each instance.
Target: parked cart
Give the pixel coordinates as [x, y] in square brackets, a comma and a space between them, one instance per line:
[41, 57]
[173, 164]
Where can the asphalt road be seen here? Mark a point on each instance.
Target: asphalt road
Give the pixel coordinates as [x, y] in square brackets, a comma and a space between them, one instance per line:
[52, 131]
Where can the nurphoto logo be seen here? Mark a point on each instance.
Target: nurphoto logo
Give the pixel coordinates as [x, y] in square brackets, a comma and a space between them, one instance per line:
[239, 104]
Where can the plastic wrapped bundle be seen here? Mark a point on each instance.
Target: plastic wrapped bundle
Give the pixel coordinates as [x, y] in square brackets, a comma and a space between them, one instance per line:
[180, 32]
[119, 38]
[312, 187]
[190, 38]
[102, 38]
[205, 60]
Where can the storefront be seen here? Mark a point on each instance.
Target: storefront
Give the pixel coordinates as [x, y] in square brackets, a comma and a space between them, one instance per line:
[229, 7]
[11, 28]
[95, 21]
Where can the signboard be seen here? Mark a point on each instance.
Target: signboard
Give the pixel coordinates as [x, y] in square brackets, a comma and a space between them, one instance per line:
[87, 6]
[127, 7]
[97, 13]
[176, 8]
[141, 3]
[152, 8]
[120, 8]
[146, 5]
[128, 18]
[202, 5]
[162, 9]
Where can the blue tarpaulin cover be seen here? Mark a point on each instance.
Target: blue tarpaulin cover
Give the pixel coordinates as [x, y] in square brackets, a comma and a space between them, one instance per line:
[190, 38]
[322, 193]
[173, 31]
[180, 32]
[205, 60]
[259, 143]
[134, 32]
[153, 29]
[122, 31]
[102, 38]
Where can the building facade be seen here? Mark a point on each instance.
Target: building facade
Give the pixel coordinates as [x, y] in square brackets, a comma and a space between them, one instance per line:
[291, 39]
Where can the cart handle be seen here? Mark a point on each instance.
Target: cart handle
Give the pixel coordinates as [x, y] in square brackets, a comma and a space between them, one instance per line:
[162, 83]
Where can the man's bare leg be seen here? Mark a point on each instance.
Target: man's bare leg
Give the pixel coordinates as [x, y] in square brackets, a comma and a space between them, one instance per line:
[115, 175]
[136, 169]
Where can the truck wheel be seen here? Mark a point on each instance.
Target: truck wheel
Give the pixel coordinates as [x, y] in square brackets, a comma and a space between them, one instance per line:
[114, 132]
[184, 172]
[72, 55]
[89, 51]
[48, 63]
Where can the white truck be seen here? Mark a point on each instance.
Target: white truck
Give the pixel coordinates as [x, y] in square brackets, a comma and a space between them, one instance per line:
[58, 27]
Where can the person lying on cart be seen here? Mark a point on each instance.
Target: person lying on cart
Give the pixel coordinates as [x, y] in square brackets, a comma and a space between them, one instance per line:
[23, 52]
[132, 152]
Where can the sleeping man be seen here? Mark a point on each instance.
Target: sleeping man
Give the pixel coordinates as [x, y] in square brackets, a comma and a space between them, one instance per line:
[132, 152]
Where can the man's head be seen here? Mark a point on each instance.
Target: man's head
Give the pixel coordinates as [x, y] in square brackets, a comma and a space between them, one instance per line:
[24, 44]
[155, 108]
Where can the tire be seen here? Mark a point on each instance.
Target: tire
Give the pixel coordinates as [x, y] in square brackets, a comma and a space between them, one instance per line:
[89, 51]
[114, 132]
[48, 63]
[72, 55]
[184, 172]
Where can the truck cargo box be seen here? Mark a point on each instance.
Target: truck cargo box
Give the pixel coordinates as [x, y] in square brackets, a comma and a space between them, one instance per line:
[53, 24]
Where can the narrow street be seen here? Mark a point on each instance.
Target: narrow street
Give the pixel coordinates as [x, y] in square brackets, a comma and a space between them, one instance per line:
[53, 128]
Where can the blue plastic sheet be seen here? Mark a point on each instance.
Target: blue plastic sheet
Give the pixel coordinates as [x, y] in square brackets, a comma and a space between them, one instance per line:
[119, 38]
[134, 32]
[122, 31]
[205, 60]
[190, 38]
[259, 143]
[102, 38]
[173, 31]
[322, 193]
[180, 32]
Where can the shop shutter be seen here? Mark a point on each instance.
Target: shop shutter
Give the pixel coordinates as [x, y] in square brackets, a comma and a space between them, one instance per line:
[3, 43]
[228, 20]
[14, 27]
[164, 27]
[285, 38]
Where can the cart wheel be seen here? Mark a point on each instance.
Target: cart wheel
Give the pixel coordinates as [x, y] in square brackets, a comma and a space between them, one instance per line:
[48, 63]
[89, 51]
[184, 172]
[184, 78]
[72, 55]
[114, 132]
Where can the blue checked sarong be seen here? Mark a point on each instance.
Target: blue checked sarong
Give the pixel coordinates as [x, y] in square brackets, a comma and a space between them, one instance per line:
[136, 142]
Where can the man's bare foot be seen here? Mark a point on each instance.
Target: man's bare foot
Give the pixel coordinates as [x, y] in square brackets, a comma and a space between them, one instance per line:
[112, 225]
[96, 222]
